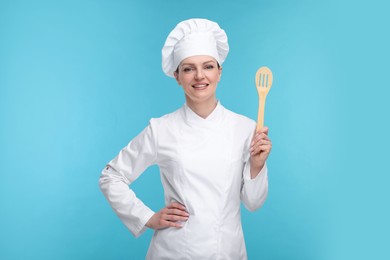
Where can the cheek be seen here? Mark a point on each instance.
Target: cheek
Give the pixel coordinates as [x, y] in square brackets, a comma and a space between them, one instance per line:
[186, 80]
[181, 80]
[217, 77]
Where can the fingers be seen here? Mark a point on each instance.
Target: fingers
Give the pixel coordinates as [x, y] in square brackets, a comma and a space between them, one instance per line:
[260, 142]
[176, 212]
[176, 208]
[176, 205]
[165, 224]
[261, 148]
[264, 130]
[260, 137]
[262, 133]
[172, 215]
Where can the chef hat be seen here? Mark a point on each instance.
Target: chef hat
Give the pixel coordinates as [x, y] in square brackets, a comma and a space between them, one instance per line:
[193, 37]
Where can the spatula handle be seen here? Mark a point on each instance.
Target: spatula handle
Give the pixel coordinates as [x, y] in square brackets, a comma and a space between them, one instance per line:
[260, 113]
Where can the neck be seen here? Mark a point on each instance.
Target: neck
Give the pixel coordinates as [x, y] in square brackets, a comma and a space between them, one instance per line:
[202, 109]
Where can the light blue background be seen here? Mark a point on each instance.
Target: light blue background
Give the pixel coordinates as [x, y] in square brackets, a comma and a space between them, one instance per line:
[79, 79]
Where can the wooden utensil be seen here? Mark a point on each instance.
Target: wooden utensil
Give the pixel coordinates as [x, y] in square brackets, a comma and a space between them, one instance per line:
[263, 85]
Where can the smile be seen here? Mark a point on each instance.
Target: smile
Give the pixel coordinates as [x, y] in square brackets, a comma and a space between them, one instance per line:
[200, 86]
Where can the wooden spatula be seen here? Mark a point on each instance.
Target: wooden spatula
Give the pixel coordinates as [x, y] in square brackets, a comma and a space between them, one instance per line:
[263, 85]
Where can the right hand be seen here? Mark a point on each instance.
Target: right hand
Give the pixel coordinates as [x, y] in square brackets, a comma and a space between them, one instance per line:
[168, 217]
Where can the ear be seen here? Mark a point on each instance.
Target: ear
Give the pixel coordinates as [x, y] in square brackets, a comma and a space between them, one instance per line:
[220, 73]
[177, 77]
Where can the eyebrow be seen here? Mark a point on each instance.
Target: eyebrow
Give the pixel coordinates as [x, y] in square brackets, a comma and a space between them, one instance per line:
[194, 63]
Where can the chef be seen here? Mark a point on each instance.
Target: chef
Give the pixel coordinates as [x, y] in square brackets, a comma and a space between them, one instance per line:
[210, 158]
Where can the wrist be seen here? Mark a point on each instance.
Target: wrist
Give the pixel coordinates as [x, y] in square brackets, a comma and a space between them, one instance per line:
[150, 222]
[255, 170]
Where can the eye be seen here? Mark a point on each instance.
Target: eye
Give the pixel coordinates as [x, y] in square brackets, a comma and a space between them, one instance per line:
[209, 67]
[188, 69]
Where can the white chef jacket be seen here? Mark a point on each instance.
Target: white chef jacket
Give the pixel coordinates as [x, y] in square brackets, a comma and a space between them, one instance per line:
[204, 165]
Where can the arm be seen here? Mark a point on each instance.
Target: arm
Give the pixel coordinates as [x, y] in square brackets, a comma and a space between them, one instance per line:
[120, 172]
[254, 189]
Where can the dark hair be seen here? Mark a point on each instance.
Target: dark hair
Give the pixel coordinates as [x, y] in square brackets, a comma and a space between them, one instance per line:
[177, 69]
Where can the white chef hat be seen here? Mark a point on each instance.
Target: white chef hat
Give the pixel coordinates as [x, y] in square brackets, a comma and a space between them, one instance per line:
[193, 37]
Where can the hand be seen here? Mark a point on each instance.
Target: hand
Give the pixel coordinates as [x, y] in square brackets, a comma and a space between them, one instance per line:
[260, 148]
[168, 217]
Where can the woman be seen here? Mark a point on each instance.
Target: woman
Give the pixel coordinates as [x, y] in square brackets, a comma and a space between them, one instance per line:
[209, 158]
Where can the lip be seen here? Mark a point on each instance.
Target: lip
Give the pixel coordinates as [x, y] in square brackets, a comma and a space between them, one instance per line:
[200, 86]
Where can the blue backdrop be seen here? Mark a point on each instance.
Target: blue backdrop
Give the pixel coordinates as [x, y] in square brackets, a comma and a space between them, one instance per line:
[79, 79]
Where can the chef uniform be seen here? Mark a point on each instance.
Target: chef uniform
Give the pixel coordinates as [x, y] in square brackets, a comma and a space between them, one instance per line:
[204, 165]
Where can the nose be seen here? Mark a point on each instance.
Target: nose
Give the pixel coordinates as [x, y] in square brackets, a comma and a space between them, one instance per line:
[199, 74]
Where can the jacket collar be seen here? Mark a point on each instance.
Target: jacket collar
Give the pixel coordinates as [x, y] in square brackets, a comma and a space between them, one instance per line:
[212, 120]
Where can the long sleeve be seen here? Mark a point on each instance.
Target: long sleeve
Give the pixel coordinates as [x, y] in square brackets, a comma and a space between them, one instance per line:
[124, 169]
[254, 191]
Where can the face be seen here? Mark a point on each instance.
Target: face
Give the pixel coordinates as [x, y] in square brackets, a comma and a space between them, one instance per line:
[199, 77]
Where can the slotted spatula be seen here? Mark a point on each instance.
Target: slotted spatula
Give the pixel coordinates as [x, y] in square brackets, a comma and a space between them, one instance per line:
[263, 85]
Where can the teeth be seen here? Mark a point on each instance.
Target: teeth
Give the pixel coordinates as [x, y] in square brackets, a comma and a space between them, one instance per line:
[200, 86]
